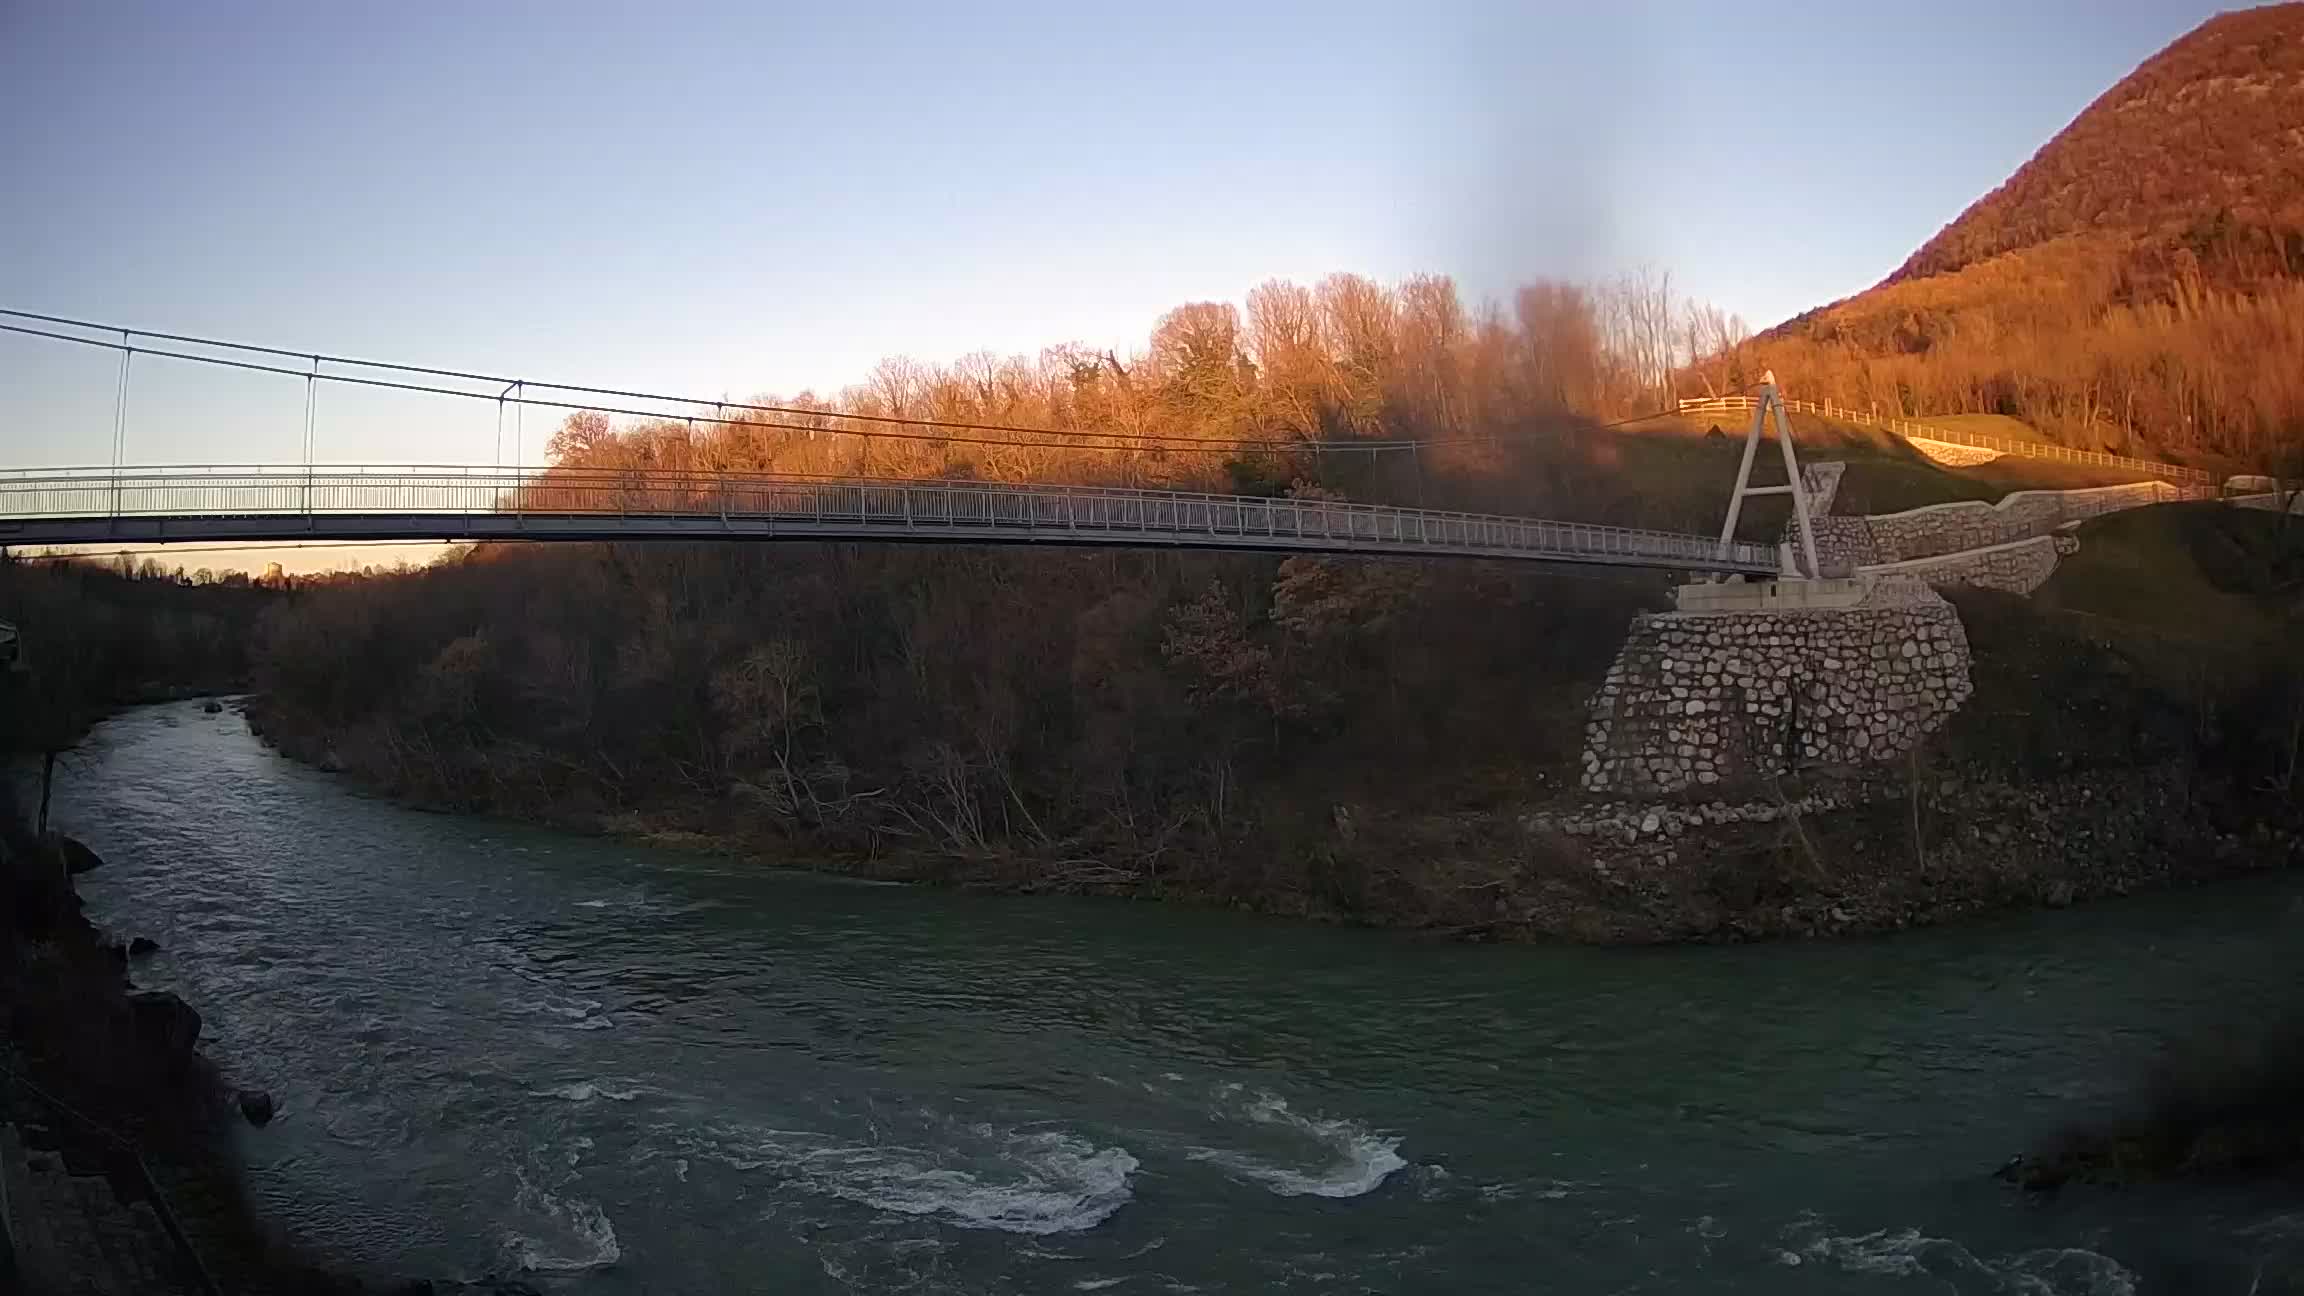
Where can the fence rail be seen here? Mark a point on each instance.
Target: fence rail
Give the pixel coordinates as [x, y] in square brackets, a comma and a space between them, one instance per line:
[67, 506]
[129, 1160]
[2195, 480]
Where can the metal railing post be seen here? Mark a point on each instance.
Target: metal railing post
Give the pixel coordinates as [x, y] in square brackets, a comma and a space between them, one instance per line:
[120, 422]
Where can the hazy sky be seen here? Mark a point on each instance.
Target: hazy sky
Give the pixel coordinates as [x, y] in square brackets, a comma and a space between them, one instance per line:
[738, 197]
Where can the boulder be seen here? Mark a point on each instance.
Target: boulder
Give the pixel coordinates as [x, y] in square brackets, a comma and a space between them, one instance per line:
[78, 859]
[255, 1105]
[214, 708]
[140, 946]
[43, 894]
[167, 1026]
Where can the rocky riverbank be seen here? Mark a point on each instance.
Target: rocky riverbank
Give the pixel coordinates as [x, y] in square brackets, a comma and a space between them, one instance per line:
[116, 1133]
[1837, 853]
[2219, 1106]
[1884, 852]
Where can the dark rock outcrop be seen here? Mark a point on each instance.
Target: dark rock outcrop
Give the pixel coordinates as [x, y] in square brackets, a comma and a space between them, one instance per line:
[166, 1026]
[128, 1061]
[255, 1106]
[140, 946]
[2225, 1106]
[78, 859]
[40, 885]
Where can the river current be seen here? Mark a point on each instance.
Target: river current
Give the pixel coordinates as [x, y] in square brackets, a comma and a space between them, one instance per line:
[625, 1069]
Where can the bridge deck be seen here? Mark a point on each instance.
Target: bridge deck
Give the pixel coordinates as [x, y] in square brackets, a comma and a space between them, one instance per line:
[148, 505]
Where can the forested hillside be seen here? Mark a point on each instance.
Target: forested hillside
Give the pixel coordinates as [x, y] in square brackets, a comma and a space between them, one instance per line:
[2134, 287]
[102, 634]
[2195, 152]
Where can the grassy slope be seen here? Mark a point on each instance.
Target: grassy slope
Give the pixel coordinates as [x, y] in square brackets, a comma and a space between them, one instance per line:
[1677, 459]
[2193, 571]
[2165, 615]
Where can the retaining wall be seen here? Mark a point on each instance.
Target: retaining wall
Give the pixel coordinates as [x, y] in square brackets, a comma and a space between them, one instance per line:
[2270, 501]
[2018, 567]
[1696, 700]
[1841, 542]
[1971, 524]
[1937, 530]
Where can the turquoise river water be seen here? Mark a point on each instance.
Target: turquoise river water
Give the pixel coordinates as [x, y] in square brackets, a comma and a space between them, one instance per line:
[629, 1070]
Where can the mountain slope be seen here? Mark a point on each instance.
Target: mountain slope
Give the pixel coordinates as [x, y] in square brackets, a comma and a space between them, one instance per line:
[2138, 286]
[2201, 147]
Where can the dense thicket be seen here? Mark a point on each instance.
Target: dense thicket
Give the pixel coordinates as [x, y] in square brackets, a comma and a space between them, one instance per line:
[1169, 718]
[99, 634]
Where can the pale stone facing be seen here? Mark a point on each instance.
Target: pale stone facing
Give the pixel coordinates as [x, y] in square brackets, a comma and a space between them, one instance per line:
[1630, 821]
[1822, 482]
[1951, 454]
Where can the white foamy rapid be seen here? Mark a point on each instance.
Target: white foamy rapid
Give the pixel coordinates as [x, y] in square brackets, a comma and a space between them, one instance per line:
[586, 1091]
[1032, 1182]
[1358, 1159]
[578, 1012]
[1907, 1253]
[560, 1234]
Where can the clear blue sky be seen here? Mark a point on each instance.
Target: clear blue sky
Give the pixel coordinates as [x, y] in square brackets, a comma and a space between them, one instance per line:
[735, 197]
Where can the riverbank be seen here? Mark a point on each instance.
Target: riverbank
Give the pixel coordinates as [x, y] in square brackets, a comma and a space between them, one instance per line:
[1839, 854]
[116, 1131]
[1369, 743]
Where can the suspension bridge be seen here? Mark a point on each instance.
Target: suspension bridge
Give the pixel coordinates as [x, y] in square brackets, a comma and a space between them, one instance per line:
[265, 503]
[124, 503]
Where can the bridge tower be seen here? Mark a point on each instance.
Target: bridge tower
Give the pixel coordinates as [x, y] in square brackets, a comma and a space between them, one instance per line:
[1771, 401]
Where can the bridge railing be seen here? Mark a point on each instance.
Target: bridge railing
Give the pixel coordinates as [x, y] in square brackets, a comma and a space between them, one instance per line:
[832, 506]
[2194, 480]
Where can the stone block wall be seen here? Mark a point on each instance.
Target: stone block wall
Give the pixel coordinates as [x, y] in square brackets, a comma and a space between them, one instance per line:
[1950, 528]
[1840, 541]
[1696, 700]
[2017, 568]
[2270, 501]
[1941, 529]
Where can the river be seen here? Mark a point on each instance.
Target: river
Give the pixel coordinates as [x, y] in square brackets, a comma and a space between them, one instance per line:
[637, 1070]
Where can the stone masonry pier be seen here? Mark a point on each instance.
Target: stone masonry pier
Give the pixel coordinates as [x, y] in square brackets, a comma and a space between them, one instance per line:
[1701, 699]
